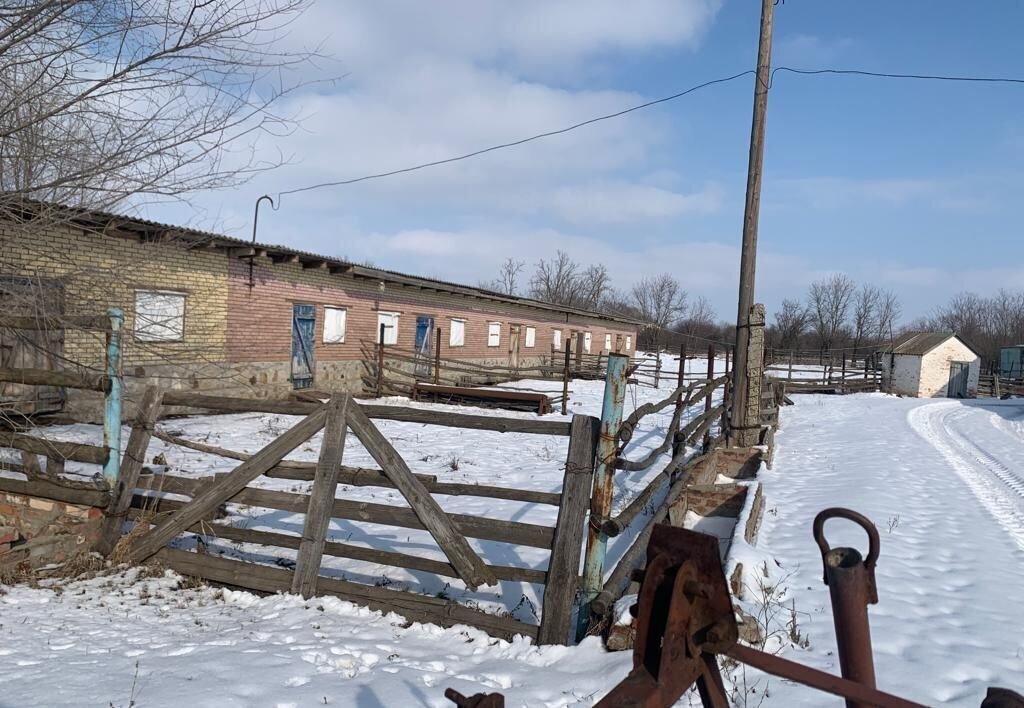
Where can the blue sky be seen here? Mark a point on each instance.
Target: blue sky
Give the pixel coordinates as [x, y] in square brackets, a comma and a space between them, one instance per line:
[909, 185]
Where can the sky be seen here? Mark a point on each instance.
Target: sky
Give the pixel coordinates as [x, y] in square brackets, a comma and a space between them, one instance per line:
[912, 186]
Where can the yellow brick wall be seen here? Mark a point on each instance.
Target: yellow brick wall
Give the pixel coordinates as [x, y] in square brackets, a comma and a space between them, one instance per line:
[100, 271]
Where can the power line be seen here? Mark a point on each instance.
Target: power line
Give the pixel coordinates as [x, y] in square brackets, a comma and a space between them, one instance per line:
[648, 104]
[522, 141]
[888, 75]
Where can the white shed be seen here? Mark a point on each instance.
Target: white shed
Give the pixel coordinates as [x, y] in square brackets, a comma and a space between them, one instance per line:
[931, 365]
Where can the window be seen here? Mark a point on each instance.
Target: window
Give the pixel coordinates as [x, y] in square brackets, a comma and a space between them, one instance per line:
[607, 342]
[457, 333]
[586, 341]
[493, 334]
[556, 339]
[334, 325]
[531, 336]
[629, 342]
[390, 322]
[159, 316]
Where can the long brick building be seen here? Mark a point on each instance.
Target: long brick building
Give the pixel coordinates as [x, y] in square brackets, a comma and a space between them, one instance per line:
[213, 313]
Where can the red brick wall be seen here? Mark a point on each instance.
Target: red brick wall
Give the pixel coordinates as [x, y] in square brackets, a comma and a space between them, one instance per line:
[260, 319]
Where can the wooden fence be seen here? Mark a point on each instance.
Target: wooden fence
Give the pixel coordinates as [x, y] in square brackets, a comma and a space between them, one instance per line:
[993, 386]
[155, 501]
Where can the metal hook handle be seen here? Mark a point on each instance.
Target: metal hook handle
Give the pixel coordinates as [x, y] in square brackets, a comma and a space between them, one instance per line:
[857, 518]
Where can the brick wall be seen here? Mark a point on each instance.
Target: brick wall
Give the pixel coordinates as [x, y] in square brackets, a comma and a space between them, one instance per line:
[42, 531]
[238, 339]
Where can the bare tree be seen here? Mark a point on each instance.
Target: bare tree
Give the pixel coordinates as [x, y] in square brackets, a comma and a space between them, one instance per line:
[865, 314]
[699, 320]
[593, 287]
[830, 300]
[792, 321]
[661, 302]
[507, 281]
[555, 280]
[889, 311]
[106, 99]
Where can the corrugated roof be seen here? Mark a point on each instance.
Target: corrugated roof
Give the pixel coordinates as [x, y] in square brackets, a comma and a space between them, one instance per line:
[197, 237]
[920, 343]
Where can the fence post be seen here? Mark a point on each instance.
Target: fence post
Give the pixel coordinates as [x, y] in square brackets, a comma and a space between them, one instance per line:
[842, 381]
[677, 444]
[657, 368]
[707, 401]
[995, 385]
[565, 376]
[380, 362]
[604, 484]
[564, 566]
[112, 403]
[437, 358]
[789, 374]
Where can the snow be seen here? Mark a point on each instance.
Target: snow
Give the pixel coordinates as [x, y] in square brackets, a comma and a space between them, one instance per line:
[942, 480]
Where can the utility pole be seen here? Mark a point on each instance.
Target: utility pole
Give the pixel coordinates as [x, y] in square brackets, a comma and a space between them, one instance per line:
[751, 210]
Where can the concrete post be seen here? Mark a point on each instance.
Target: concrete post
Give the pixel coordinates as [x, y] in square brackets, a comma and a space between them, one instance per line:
[750, 417]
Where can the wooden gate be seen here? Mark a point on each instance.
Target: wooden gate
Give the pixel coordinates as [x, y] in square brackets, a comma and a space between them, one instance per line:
[959, 372]
[449, 530]
[424, 345]
[38, 346]
[513, 345]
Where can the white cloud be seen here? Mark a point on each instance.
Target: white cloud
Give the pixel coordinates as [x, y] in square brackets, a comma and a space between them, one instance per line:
[621, 203]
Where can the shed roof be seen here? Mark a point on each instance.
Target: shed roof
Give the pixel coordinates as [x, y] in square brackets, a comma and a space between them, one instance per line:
[113, 224]
[920, 343]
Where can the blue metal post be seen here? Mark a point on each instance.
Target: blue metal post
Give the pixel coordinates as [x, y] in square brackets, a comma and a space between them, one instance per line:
[112, 405]
[604, 484]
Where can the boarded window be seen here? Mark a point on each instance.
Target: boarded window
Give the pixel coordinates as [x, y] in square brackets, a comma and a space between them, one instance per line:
[556, 339]
[587, 338]
[493, 334]
[159, 316]
[607, 342]
[390, 322]
[334, 325]
[629, 342]
[457, 334]
[531, 336]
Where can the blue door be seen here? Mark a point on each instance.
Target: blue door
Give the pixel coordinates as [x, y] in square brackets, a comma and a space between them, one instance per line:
[303, 326]
[424, 344]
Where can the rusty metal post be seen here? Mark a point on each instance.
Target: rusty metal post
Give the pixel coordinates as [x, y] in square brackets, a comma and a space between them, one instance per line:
[604, 484]
[437, 358]
[380, 362]
[726, 394]
[851, 584]
[707, 401]
[565, 376]
[112, 402]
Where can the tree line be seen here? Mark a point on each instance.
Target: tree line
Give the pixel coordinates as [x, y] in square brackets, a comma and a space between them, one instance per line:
[659, 301]
[986, 323]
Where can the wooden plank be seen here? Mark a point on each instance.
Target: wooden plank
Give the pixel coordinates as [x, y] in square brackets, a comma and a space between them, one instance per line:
[321, 498]
[54, 490]
[100, 322]
[564, 566]
[49, 377]
[368, 477]
[361, 553]
[454, 545]
[416, 608]
[79, 452]
[227, 486]
[131, 467]
[399, 413]
[514, 532]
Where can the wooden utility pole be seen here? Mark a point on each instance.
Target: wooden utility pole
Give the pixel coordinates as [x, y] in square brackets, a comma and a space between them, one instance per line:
[748, 256]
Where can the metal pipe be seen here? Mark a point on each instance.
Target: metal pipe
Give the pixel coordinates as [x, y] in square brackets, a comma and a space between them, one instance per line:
[112, 402]
[805, 675]
[255, 219]
[604, 483]
[851, 583]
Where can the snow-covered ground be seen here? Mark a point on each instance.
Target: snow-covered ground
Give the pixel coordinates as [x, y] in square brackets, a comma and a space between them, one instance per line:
[941, 479]
[944, 483]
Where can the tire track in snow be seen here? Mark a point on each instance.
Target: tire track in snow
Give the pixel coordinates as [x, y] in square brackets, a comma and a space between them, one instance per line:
[999, 490]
